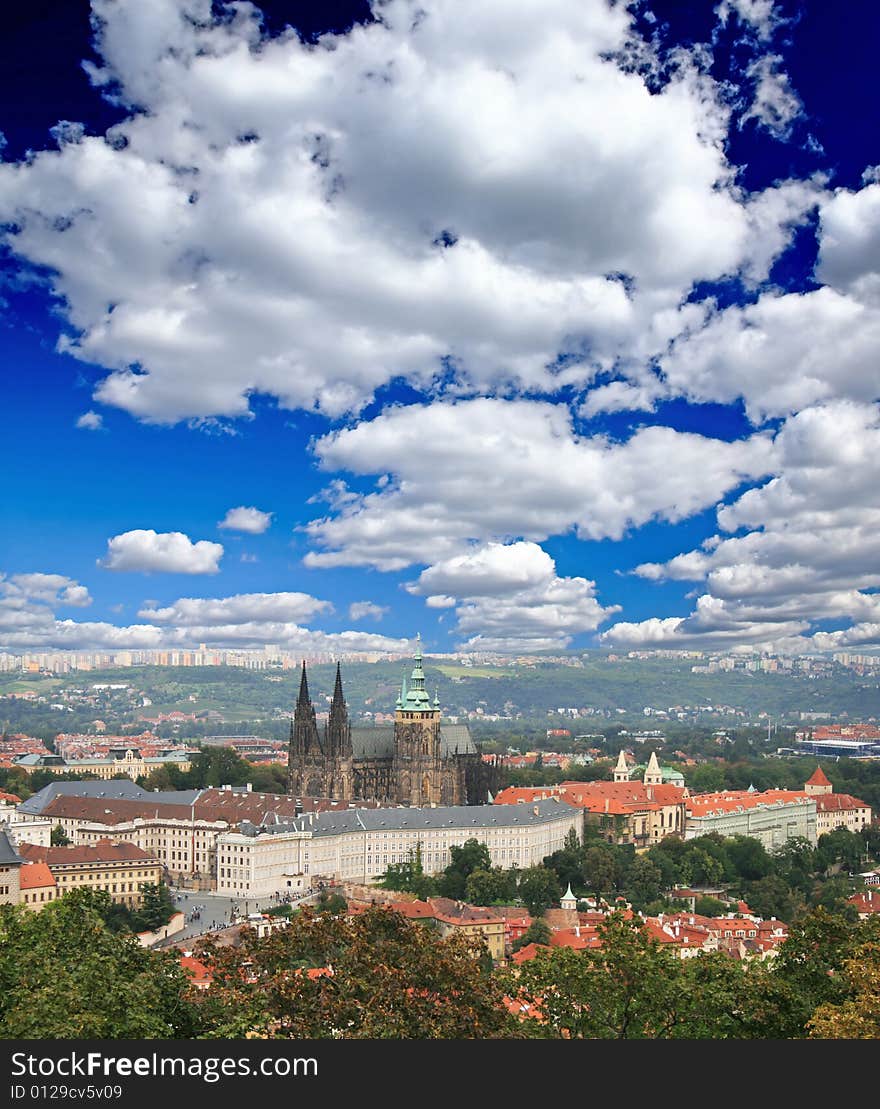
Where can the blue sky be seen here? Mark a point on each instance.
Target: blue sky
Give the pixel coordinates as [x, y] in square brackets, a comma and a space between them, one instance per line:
[536, 330]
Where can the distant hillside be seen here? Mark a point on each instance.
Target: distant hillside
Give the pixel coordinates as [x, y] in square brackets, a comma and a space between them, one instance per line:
[604, 686]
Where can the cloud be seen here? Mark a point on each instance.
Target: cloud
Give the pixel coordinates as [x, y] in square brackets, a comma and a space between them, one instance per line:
[800, 550]
[761, 17]
[147, 552]
[775, 105]
[360, 610]
[849, 243]
[243, 608]
[90, 421]
[344, 269]
[454, 466]
[509, 596]
[250, 520]
[27, 623]
[781, 354]
[46, 588]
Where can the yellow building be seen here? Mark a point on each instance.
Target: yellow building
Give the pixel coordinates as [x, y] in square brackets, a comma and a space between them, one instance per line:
[122, 869]
[458, 918]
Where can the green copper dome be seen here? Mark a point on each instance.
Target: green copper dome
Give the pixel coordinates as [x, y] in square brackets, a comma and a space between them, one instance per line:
[415, 698]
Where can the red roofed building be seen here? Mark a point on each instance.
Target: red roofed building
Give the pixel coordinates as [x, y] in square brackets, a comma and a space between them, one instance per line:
[818, 783]
[867, 903]
[122, 869]
[772, 817]
[199, 974]
[625, 812]
[37, 884]
[835, 810]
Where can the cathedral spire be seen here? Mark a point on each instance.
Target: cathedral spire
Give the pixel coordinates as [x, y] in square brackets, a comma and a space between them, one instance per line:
[338, 699]
[416, 696]
[303, 698]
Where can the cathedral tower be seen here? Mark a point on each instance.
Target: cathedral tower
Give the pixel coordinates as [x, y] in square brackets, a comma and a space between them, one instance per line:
[338, 746]
[417, 767]
[306, 767]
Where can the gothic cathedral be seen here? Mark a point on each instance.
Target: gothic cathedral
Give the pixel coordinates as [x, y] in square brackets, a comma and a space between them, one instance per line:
[417, 761]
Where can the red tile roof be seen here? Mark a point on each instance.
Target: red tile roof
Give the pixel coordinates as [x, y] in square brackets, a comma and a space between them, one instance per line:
[35, 876]
[838, 802]
[737, 800]
[818, 778]
[101, 852]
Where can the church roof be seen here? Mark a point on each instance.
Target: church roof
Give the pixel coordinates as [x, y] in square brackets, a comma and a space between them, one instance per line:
[377, 742]
[818, 778]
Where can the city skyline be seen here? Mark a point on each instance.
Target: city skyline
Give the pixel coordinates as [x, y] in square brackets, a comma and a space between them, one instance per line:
[539, 330]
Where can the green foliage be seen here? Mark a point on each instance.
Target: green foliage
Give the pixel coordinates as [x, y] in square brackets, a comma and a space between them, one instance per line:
[383, 978]
[157, 908]
[59, 838]
[332, 902]
[470, 856]
[65, 975]
[626, 989]
[709, 906]
[539, 889]
[496, 886]
[409, 877]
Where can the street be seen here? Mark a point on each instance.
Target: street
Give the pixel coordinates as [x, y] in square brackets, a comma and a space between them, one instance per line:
[216, 912]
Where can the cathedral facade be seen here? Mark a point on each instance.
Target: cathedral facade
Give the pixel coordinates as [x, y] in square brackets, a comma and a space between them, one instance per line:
[418, 760]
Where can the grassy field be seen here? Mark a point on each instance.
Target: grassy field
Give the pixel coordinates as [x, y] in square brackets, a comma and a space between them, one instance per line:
[39, 686]
[472, 671]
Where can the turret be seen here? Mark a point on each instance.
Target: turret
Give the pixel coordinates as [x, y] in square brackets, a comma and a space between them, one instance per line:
[621, 771]
[653, 773]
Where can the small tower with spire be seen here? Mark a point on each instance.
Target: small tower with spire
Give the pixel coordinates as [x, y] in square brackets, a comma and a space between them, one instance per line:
[653, 773]
[621, 771]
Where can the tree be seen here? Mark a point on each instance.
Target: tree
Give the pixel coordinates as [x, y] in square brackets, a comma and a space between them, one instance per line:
[809, 969]
[643, 882]
[709, 906]
[488, 887]
[840, 846]
[749, 857]
[470, 856]
[157, 908]
[375, 976]
[59, 837]
[626, 989]
[699, 868]
[598, 870]
[773, 897]
[705, 778]
[409, 877]
[568, 861]
[795, 862]
[857, 1017]
[65, 975]
[329, 901]
[539, 889]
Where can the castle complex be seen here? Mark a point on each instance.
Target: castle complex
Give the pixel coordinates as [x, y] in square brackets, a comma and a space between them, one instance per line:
[416, 761]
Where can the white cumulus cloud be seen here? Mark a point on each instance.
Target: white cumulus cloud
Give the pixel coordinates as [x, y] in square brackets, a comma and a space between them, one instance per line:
[250, 520]
[147, 551]
[362, 610]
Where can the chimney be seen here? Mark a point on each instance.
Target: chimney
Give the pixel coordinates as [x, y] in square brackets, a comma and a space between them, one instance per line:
[577, 931]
